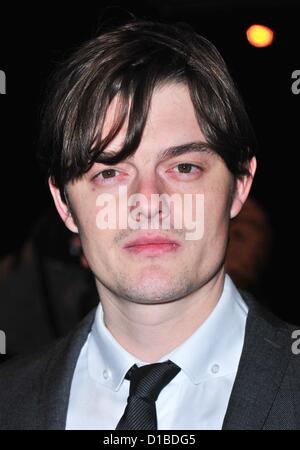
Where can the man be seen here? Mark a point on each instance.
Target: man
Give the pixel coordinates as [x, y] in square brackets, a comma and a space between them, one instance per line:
[147, 109]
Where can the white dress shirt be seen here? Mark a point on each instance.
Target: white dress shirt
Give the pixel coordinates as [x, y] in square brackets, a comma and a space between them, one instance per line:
[196, 398]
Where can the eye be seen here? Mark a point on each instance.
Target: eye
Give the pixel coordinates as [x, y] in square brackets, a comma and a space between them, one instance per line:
[107, 173]
[185, 167]
[110, 176]
[186, 170]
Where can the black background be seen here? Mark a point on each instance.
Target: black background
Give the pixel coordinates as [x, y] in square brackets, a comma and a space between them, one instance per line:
[35, 36]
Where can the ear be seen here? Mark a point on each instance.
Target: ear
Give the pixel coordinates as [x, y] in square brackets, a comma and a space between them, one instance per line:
[63, 209]
[242, 189]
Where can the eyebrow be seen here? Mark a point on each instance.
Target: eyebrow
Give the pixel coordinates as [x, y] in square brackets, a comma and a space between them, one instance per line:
[182, 149]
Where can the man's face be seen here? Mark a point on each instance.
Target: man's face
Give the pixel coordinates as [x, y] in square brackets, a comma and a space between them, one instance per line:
[159, 272]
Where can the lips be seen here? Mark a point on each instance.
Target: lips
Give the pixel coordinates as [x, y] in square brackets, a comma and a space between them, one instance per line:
[151, 245]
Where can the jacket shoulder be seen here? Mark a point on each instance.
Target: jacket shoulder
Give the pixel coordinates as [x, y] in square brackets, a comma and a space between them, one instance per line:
[30, 383]
[281, 341]
[21, 378]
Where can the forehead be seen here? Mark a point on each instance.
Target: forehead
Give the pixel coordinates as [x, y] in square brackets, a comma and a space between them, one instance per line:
[171, 120]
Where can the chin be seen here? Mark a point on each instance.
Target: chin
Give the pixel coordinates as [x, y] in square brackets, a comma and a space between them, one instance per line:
[156, 290]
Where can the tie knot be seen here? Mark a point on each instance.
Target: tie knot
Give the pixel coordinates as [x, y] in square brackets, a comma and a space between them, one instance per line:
[148, 381]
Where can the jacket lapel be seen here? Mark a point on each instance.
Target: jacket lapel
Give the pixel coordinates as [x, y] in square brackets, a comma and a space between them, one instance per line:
[263, 362]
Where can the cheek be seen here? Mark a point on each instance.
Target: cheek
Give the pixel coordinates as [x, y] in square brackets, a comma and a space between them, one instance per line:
[97, 246]
[217, 205]
[87, 224]
[216, 217]
[86, 213]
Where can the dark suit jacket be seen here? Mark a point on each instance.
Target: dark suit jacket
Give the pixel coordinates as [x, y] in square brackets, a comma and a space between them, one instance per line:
[34, 390]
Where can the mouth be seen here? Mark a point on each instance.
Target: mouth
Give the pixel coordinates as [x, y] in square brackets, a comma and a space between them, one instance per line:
[151, 246]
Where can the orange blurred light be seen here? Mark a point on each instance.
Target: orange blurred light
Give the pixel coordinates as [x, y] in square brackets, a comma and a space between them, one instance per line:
[260, 36]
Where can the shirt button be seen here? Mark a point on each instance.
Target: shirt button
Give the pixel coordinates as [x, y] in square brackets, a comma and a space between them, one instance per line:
[215, 368]
[105, 374]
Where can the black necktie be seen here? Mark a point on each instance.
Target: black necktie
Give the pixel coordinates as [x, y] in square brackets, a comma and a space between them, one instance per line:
[146, 382]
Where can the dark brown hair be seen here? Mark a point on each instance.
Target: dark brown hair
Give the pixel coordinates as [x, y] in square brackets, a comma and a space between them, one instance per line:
[130, 61]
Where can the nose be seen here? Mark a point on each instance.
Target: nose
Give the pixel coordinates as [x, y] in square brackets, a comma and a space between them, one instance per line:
[149, 203]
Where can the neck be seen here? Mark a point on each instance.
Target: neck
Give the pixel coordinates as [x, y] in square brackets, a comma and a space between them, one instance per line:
[150, 331]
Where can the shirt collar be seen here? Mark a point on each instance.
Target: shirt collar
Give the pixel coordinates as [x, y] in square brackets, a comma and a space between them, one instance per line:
[212, 350]
[108, 361]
